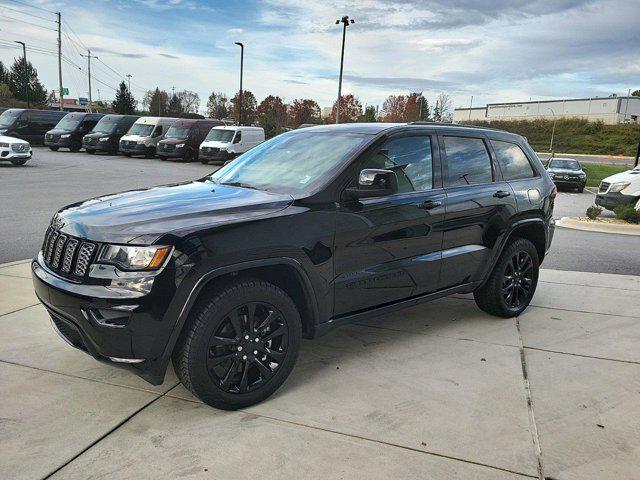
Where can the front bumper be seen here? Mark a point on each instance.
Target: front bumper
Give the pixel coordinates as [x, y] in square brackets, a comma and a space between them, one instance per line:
[107, 146]
[137, 149]
[569, 182]
[216, 156]
[8, 154]
[612, 200]
[57, 142]
[121, 329]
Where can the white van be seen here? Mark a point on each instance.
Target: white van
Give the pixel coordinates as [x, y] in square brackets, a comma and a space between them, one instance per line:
[226, 142]
[144, 135]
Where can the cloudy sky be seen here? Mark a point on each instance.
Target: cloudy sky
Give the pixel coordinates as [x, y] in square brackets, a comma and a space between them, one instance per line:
[495, 50]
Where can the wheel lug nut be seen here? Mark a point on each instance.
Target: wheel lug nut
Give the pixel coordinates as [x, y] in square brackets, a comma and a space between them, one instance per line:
[255, 352]
[246, 337]
[257, 340]
[244, 357]
[239, 349]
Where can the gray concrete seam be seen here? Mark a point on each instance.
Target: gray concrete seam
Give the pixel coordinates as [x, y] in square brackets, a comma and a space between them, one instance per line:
[532, 418]
[582, 285]
[20, 309]
[586, 311]
[581, 355]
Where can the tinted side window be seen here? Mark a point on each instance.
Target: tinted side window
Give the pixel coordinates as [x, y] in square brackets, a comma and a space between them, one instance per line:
[409, 158]
[513, 162]
[468, 161]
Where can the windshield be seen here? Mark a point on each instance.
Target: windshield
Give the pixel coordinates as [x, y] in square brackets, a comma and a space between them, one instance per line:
[69, 122]
[105, 125]
[565, 164]
[8, 117]
[177, 132]
[140, 129]
[291, 163]
[220, 135]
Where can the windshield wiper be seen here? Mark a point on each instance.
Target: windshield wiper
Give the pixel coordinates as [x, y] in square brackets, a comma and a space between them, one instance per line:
[239, 184]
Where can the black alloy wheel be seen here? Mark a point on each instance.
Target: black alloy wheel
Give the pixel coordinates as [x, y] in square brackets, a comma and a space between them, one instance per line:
[517, 280]
[248, 347]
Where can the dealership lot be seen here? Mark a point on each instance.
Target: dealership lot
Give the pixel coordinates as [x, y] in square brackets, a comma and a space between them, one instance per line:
[436, 391]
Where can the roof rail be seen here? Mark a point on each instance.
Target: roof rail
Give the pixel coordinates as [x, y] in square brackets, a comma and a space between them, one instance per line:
[459, 125]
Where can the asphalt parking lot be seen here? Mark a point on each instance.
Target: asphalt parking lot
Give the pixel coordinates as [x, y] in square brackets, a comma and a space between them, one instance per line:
[438, 391]
[31, 194]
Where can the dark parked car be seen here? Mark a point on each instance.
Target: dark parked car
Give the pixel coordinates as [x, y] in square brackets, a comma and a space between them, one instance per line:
[567, 172]
[105, 136]
[312, 229]
[29, 125]
[69, 131]
[184, 137]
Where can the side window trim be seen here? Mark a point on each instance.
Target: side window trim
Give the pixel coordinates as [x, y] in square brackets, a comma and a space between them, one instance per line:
[478, 136]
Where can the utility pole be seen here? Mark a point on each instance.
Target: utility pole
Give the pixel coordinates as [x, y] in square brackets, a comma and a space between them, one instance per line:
[26, 73]
[470, 107]
[89, 57]
[128, 75]
[60, 61]
[346, 22]
[635, 164]
[553, 130]
[241, 45]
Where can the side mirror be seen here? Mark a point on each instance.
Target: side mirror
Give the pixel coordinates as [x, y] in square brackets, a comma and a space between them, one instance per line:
[374, 182]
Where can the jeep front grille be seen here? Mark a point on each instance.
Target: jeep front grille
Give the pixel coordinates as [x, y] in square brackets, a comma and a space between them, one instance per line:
[67, 255]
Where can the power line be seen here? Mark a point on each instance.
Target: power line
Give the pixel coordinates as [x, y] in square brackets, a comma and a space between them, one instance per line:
[75, 34]
[27, 13]
[29, 23]
[32, 6]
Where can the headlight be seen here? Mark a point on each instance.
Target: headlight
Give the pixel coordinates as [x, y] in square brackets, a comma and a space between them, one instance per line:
[619, 186]
[66, 135]
[135, 258]
[103, 139]
[141, 143]
[582, 175]
[180, 145]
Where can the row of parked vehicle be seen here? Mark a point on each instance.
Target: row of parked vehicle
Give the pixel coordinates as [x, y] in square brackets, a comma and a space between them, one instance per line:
[207, 140]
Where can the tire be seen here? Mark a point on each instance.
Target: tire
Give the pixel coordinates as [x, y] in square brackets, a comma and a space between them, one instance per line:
[581, 189]
[218, 371]
[127, 154]
[54, 149]
[19, 161]
[204, 161]
[188, 156]
[75, 147]
[491, 298]
[89, 151]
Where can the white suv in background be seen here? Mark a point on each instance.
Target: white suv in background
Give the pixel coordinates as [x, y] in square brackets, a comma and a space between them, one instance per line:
[14, 150]
[620, 189]
[226, 142]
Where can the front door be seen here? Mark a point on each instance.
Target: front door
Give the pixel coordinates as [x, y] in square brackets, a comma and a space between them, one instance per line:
[388, 248]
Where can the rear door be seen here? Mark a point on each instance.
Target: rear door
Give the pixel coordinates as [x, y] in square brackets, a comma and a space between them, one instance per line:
[480, 206]
[388, 248]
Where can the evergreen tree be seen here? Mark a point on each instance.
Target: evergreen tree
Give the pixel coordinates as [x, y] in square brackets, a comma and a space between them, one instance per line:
[34, 90]
[124, 102]
[218, 105]
[156, 102]
[369, 115]
[4, 74]
[249, 106]
[175, 107]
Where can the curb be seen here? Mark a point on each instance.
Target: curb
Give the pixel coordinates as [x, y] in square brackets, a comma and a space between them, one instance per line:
[17, 262]
[617, 157]
[575, 224]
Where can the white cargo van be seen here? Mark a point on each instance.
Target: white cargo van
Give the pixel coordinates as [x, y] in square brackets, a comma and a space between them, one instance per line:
[226, 142]
[144, 135]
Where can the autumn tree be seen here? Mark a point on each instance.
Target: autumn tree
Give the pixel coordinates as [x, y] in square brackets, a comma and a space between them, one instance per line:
[124, 103]
[272, 116]
[156, 102]
[249, 105]
[416, 108]
[394, 108]
[218, 105]
[189, 100]
[22, 88]
[350, 109]
[303, 111]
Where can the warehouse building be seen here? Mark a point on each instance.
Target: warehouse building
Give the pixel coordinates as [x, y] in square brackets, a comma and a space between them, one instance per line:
[609, 110]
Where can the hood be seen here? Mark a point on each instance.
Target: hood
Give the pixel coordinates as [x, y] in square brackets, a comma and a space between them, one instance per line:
[98, 135]
[215, 144]
[134, 138]
[565, 170]
[148, 213]
[5, 139]
[60, 131]
[173, 141]
[628, 176]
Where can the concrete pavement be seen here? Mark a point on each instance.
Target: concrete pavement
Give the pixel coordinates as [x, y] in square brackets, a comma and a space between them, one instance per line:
[436, 391]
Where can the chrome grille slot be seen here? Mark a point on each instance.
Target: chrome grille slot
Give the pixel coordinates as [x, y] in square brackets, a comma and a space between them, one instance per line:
[58, 251]
[69, 252]
[84, 258]
[52, 241]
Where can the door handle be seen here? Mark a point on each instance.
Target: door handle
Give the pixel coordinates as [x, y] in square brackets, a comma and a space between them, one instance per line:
[430, 204]
[501, 194]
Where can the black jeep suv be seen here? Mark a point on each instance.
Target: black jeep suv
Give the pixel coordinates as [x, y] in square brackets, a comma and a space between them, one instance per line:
[310, 230]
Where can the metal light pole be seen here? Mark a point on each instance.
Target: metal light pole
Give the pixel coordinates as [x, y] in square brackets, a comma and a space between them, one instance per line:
[345, 23]
[26, 75]
[61, 92]
[635, 164]
[553, 130]
[128, 75]
[241, 45]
